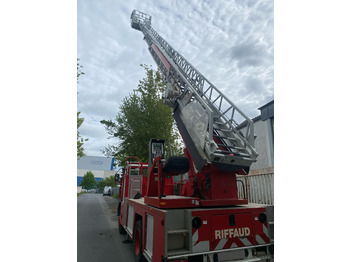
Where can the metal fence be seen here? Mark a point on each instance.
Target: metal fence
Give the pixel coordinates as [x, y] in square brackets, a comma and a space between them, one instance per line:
[258, 187]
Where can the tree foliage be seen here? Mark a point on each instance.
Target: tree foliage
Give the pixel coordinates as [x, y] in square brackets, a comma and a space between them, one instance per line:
[143, 116]
[88, 181]
[79, 70]
[80, 140]
[80, 120]
[107, 181]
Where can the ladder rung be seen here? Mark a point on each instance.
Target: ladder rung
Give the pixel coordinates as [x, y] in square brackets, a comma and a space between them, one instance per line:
[223, 152]
[227, 146]
[223, 130]
[229, 152]
[241, 154]
[225, 137]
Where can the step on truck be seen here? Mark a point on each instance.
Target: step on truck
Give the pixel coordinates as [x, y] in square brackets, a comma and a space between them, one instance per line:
[187, 208]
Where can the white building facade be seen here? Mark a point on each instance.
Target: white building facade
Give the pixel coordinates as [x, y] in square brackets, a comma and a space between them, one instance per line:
[101, 167]
[264, 131]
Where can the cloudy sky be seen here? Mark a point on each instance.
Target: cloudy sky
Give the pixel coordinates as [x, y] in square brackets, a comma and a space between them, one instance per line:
[229, 42]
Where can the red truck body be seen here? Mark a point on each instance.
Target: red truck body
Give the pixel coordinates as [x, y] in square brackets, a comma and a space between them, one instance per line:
[164, 230]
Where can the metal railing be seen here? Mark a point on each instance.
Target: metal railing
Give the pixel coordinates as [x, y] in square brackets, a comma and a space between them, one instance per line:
[257, 188]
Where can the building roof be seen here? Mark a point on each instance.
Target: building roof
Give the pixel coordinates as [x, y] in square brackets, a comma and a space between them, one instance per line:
[269, 103]
[244, 123]
[266, 111]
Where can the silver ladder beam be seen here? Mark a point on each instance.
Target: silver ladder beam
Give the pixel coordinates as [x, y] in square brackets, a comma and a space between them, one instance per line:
[186, 88]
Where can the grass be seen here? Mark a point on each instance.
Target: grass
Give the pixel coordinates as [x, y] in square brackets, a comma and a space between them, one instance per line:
[79, 194]
[115, 196]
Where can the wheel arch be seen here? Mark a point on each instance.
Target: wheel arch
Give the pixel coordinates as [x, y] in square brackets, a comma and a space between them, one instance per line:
[137, 218]
[138, 238]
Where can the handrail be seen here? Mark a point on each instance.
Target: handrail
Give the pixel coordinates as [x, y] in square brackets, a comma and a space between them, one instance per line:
[139, 160]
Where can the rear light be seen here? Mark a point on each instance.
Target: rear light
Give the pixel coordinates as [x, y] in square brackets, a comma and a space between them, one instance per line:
[196, 222]
[232, 221]
[262, 218]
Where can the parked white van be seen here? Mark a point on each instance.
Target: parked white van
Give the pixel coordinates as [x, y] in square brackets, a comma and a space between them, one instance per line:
[107, 190]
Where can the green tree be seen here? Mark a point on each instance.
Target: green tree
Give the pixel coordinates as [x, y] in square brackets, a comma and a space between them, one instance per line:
[101, 184]
[80, 120]
[89, 181]
[80, 140]
[143, 116]
[107, 181]
[79, 70]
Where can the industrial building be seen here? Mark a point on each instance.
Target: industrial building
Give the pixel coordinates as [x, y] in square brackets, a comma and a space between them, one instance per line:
[101, 167]
[264, 131]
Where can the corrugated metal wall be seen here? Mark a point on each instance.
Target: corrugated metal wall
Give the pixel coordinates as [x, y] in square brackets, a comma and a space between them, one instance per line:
[80, 178]
[258, 188]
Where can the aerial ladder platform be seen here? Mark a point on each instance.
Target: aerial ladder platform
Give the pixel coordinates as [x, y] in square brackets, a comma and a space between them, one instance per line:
[204, 220]
[207, 120]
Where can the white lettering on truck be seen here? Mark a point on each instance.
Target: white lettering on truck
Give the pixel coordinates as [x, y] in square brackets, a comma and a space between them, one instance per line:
[232, 232]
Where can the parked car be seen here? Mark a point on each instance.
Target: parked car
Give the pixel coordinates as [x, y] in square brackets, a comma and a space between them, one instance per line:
[107, 190]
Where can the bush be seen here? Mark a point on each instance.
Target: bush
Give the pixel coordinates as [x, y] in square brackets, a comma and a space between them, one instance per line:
[108, 181]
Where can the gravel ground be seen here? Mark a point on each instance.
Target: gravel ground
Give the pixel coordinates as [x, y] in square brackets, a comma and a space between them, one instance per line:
[112, 205]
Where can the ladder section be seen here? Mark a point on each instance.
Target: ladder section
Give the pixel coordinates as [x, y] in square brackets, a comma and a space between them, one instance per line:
[215, 137]
[139, 19]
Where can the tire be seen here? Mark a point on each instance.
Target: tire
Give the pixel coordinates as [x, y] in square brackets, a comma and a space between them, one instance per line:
[138, 242]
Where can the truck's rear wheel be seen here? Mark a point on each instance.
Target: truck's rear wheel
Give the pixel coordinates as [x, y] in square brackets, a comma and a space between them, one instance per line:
[138, 242]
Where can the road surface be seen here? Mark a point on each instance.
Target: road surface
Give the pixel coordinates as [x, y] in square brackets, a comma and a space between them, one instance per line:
[98, 237]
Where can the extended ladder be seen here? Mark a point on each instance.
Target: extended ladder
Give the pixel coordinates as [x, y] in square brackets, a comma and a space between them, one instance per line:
[206, 118]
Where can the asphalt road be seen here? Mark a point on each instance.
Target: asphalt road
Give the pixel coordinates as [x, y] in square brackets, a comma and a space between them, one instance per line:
[98, 237]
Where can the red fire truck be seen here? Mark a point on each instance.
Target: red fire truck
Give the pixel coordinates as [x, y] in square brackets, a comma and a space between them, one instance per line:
[187, 208]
